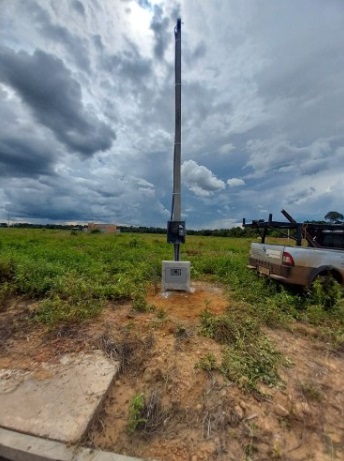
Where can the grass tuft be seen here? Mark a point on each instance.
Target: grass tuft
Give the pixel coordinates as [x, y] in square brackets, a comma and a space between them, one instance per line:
[146, 415]
[140, 304]
[311, 391]
[207, 363]
[249, 357]
[54, 311]
[249, 364]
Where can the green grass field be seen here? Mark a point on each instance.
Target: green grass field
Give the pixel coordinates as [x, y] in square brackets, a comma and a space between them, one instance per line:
[73, 276]
[70, 278]
[84, 270]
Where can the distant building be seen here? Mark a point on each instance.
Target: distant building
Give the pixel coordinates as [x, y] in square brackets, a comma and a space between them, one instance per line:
[105, 228]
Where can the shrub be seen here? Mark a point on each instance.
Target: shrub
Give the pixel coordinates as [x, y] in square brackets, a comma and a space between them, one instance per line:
[7, 271]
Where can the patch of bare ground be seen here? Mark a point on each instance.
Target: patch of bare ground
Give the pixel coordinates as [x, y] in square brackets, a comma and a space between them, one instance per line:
[191, 414]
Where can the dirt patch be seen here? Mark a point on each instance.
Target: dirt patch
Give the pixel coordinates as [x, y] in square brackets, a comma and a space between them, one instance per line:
[195, 414]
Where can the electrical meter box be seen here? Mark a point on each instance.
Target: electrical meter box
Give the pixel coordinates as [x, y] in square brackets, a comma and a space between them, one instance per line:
[175, 275]
[176, 232]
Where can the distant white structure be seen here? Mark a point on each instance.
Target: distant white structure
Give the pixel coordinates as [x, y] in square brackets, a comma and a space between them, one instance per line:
[104, 228]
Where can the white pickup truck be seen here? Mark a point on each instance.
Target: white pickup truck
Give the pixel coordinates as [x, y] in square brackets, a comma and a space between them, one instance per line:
[299, 265]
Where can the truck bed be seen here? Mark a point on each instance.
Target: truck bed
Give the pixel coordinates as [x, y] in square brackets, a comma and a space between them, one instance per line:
[295, 265]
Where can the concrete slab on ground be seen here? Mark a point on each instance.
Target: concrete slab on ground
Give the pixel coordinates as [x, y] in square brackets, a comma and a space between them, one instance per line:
[21, 447]
[56, 401]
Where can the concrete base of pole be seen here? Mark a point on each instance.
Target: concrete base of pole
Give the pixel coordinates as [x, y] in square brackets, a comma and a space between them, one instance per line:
[176, 276]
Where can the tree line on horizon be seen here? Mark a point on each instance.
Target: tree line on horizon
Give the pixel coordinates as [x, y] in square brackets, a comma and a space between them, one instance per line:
[333, 217]
[233, 232]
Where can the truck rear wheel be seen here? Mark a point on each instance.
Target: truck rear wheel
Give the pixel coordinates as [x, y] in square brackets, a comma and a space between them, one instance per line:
[325, 290]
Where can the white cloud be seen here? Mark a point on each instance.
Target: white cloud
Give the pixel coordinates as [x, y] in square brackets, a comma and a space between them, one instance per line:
[201, 181]
[226, 148]
[225, 223]
[235, 182]
[280, 156]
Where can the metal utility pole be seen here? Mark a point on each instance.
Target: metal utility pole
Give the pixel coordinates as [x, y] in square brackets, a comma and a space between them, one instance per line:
[176, 274]
[176, 198]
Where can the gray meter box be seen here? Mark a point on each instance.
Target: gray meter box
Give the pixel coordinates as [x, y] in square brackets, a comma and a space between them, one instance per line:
[176, 275]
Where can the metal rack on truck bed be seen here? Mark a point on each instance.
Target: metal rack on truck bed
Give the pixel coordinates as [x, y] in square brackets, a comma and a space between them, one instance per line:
[317, 235]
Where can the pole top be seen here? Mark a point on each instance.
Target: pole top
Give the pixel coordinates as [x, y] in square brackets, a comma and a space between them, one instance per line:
[178, 27]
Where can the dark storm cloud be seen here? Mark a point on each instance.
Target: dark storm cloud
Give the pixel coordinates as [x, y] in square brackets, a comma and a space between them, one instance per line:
[97, 41]
[191, 56]
[36, 205]
[300, 195]
[74, 45]
[145, 4]
[24, 157]
[47, 198]
[78, 7]
[129, 66]
[48, 88]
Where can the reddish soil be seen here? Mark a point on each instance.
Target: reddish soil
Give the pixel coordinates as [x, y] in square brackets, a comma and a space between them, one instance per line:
[199, 415]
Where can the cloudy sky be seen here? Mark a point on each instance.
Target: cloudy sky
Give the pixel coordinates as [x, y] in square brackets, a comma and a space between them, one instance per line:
[87, 110]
